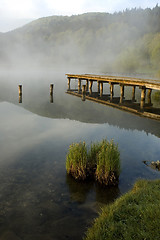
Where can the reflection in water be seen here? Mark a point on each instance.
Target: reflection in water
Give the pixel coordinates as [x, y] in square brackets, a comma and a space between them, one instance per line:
[140, 108]
[20, 98]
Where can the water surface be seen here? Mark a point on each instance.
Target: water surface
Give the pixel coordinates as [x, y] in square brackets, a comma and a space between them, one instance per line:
[38, 200]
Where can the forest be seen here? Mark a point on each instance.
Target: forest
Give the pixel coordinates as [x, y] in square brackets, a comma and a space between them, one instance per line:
[127, 41]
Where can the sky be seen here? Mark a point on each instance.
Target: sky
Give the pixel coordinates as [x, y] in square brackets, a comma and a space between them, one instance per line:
[15, 13]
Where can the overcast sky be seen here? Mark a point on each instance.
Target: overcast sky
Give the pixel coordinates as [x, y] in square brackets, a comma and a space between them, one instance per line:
[14, 13]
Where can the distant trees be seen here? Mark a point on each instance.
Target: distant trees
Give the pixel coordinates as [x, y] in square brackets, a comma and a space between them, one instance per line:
[124, 41]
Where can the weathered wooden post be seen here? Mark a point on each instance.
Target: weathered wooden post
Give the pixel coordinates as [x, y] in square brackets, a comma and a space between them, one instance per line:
[143, 95]
[87, 85]
[83, 92]
[51, 98]
[101, 89]
[133, 93]
[20, 93]
[69, 82]
[90, 87]
[149, 96]
[98, 86]
[51, 89]
[111, 91]
[79, 85]
[20, 89]
[122, 93]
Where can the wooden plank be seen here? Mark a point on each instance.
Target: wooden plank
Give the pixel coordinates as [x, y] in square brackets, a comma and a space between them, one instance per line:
[148, 83]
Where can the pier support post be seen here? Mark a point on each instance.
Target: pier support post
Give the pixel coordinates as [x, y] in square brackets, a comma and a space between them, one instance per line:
[101, 89]
[149, 96]
[122, 93]
[83, 92]
[98, 86]
[111, 91]
[143, 96]
[79, 85]
[133, 93]
[69, 82]
[90, 87]
[87, 85]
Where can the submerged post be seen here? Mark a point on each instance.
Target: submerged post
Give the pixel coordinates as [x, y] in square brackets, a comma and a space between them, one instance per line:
[83, 92]
[20, 89]
[51, 89]
[143, 95]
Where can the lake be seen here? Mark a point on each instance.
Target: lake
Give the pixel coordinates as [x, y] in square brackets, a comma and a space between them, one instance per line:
[38, 200]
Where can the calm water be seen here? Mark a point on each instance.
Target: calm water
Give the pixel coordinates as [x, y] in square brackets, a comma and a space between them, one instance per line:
[38, 200]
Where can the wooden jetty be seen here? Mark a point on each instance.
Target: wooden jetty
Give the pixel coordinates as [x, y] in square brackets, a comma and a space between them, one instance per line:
[145, 85]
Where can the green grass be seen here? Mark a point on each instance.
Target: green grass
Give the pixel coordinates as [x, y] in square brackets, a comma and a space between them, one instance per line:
[76, 162]
[102, 162]
[108, 164]
[135, 215]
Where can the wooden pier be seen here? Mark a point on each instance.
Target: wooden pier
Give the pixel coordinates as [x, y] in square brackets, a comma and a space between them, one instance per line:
[145, 86]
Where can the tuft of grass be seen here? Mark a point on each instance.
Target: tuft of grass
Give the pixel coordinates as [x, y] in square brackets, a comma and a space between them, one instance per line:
[108, 164]
[76, 162]
[135, 215]
[102, 161]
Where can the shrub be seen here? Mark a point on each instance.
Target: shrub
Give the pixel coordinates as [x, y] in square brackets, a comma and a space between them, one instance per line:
[108, 165]
[76, 163]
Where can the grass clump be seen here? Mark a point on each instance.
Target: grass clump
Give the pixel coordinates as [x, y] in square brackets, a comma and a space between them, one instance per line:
[76, 163]
[108, 165]
[135, 215]
[102, 162]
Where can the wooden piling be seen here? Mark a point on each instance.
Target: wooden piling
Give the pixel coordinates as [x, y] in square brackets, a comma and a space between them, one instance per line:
[121, 93]
[143, 96]
[101, 89]
[98, 86]
[69, 82]
[20, 90]
[83, 92]
[149, 96]
[87, 85]
[133, 93]
[79, 85]
[111, 91]
[90, 86]
[51, 89]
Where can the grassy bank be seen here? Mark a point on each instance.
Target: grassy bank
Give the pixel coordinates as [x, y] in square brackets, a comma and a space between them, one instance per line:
[135, 215]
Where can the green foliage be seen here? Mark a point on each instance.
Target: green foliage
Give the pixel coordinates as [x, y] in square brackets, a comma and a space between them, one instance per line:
[76, 162]
[135, 215]
[108, 165]
[102, 162]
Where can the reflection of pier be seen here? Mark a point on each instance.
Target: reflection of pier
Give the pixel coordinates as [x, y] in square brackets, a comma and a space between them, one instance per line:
[144, 107]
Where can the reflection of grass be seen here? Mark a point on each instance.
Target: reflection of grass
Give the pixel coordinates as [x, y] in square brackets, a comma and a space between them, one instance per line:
[108, 165]
[156, 96]
[133, 216]
[102, 161]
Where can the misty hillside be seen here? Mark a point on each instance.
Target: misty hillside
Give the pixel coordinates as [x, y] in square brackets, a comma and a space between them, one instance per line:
[127, 41]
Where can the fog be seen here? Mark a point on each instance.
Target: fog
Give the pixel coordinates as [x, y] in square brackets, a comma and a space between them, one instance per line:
[88, 43]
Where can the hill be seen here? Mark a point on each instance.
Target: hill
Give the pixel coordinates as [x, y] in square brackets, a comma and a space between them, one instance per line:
[127, 41]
